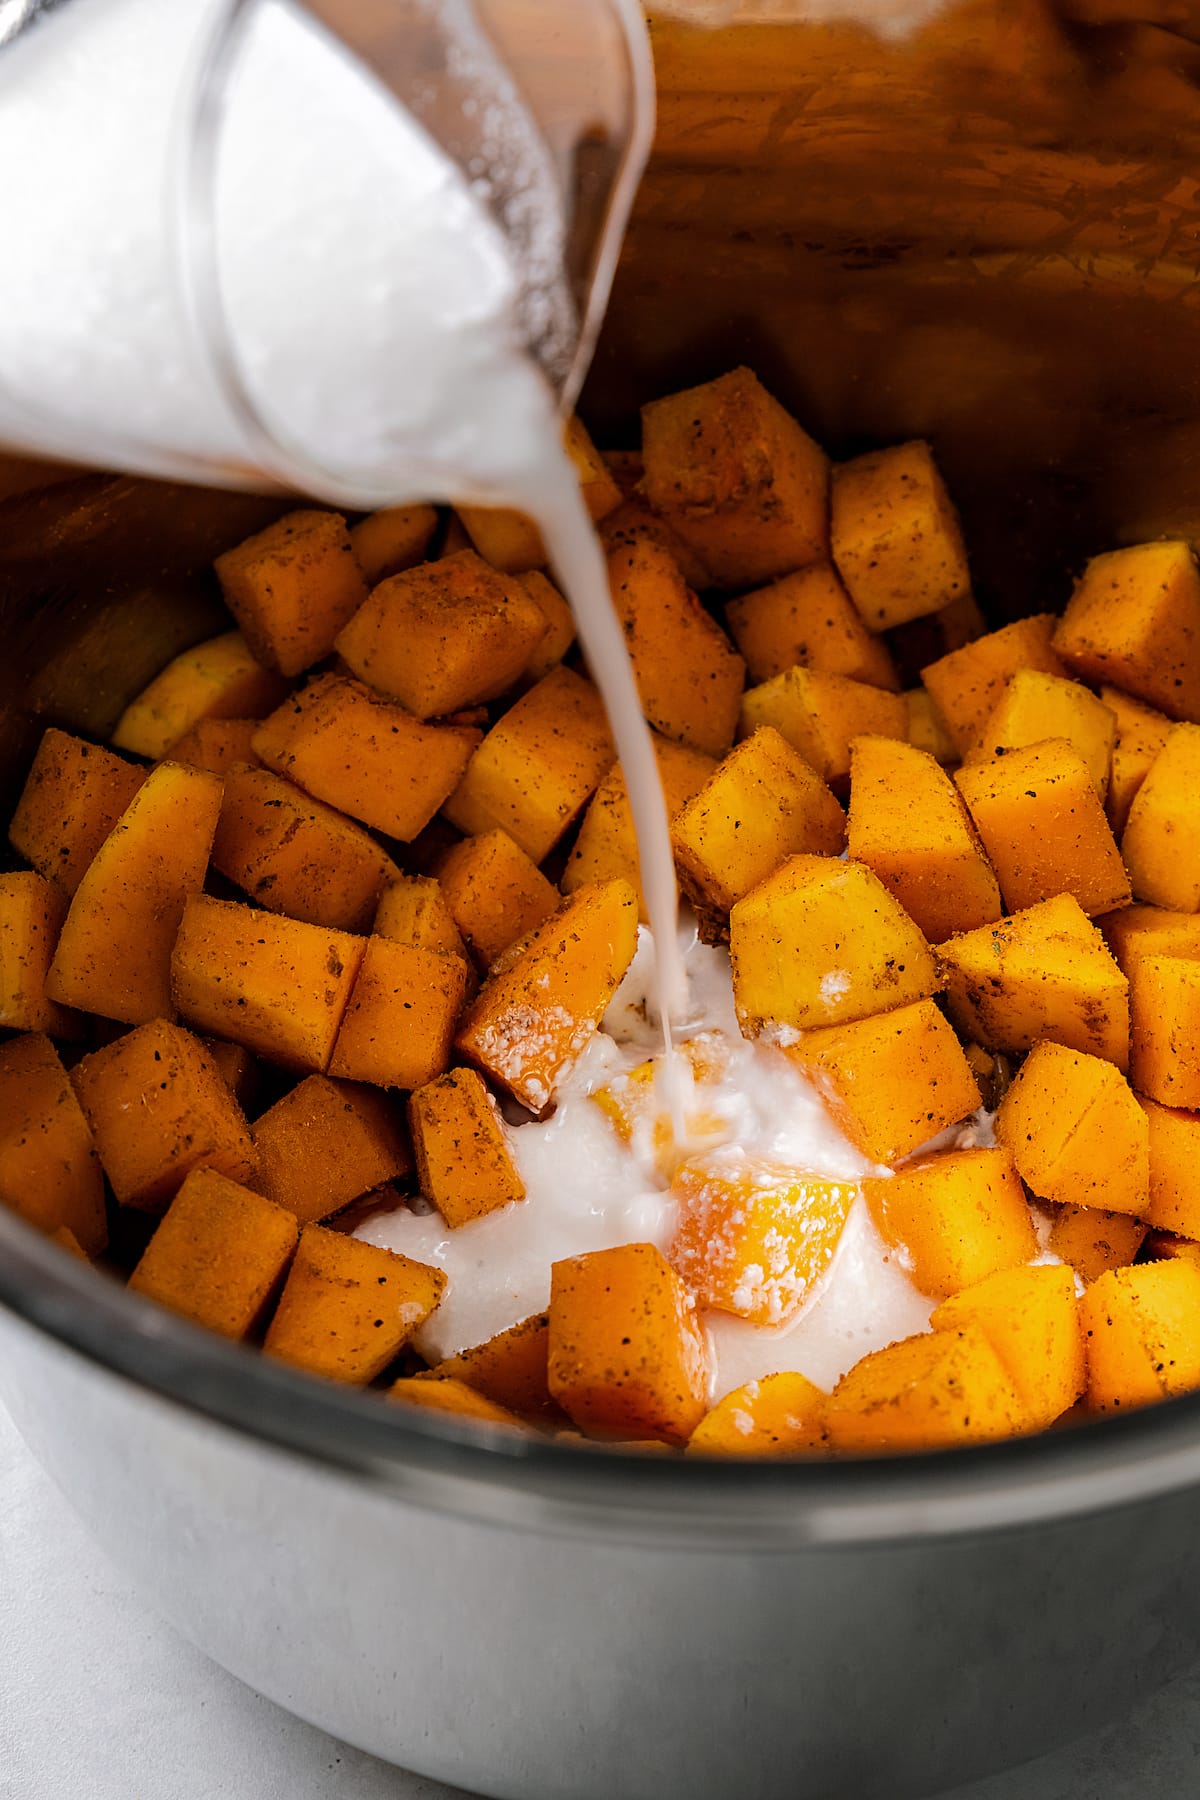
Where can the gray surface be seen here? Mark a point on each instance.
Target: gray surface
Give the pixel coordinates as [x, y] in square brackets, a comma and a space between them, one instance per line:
[99, 1699]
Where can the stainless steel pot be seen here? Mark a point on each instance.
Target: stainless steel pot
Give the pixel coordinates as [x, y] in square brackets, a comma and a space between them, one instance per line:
[940, 234]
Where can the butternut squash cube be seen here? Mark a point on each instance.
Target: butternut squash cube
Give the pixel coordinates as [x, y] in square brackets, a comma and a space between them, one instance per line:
[1091, 1241]
[737, 478]
[392, 540]
[74, 795]
[1035, 706]
[216, 680]
[822, 942]
[1142, 1334]
[327, 1143]
[1044, 828]
[1141, 734]
[1030, 1317]
[925, 1393]
[641, 1104]
[755, 1238]
[927, 729]
[216, 744]
[892, 1081]
[897, 542]
[446, 1394]
[636, 522]
[1174, 1162]
[444, 635]
[464, 1164]
[399, 1024]
[607, 845]
[627, 1355]
[114, 950]
[1134, 621]
[966, 684]
[1161, 845]
[292, 587]
[240, 1071]
[32, 911]
[1164, 1010]
[158, 1109]
[1043, 973]
[1138, 931]
[538, 766]
[760, 806]
[688, 674]
[512, 542]
[777, 1416]
[494, 893]
[1076, 1132]
[348, 1308]
[820, 714]
[559, 622]
[49, 1171]
[958, 1217]
[908, 824]
[412, 910]
[366, 756]
[545, 997]
[810, 619]
[278, 986]
[511, 1369]
[218, 1254]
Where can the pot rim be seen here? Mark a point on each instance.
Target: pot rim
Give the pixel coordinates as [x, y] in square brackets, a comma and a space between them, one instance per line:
[523, 1481]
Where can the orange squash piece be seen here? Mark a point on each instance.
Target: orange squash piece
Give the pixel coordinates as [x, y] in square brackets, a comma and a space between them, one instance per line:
[1035, 706]
[49, 1171]
[218, 679]
[925, 1393]
[959, 1217]
[1164, 1009]
[32, 911]
[216, 744]
[606, 846]
[327, 1143]
[218, 1254]
[1076, 1132]
[1174, 1161]
[1134, 621]
[1141, 734]
[399, 1023]
[73, 796]
[778, 1416]
[966, 683]
[1031, 1319]
[897, 542]
[1142, 1334]
[412, 910]
[1161, 845]
[391, 540]
[464, 1163]
[1091, 1241]
[559, 625]
[927, 729]
[821, 714]
[808, 618]
[1137, 931]
[292, 587]
[494, 893]
[446, 1394]
[511, 1369]
[348, 1308]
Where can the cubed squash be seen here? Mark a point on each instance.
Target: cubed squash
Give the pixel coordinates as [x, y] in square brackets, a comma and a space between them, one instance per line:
[443, 635]
[218, 679]
[636, 522]
[627, 1355]
[32, 911]
[464, 1162]
[644, 1104]
[327, 1143]
[738, 479]
[348, 1308]
[892, 1081]
[278, 986]
[925, 1393]
[927, 729]
[158, 1108]
[538, 767]
[897, 542]
[511, 1369]
[49, 1171]
[688, 674]
[216, 744]
[1031, 1319]
[810, 619]
[559, 625]
[511, 541]
[412, 910]
[1142, 1334]
[778, 1416]
[446, 1394]
[365, 755]
[391, 540]
[1174, 1170]
[494, 893]
[1091, 1241]
[761, 805]
[1161, 845]
[1035, 706]
[1134, 621]
[1137, 931]
[74, 794]
[114, 950]
[820, 714]
[957, 1217]
[398, 1027]
[546, 995]
[966, 683]
[754, 1238]
[295, 855]
[1044, 829]
[1045, 972]
[241, 1072]
[1075, 1131]
[822, 942]
[292, 587]
[606, 846]
[908, 823]
[1164, 1012]
[218, 1254]
[1141, 734]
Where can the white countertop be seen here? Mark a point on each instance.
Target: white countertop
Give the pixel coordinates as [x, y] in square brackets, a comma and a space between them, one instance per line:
[100, 1701]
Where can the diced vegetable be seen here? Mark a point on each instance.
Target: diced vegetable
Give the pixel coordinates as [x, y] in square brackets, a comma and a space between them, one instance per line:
[958, 1217]
[1134, 620]
[217, 680]
[464, 1163]
[389, 541]
[495, 893]
[896, 537]
[1174, 1169]
[924, 1393]
[292, 587]
[1031, 1319]
[444, 1393]
[327, 1143]
[412, 910]
[781, 1415]
[1141, 734]
[74, 795]
[49, 1171]
[966, 684]
[218, 1254]
[1164, 1009]
[217, 744]
[821, 714]
[510, 1369]
[808, 618]
[347, 1307]
[1142, 1334]
[398, 1026]
[1161, 845]
[606, 846]
[32, 911]
[1076, 1132]
[1035, 706]
[1092, 1241]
